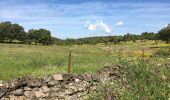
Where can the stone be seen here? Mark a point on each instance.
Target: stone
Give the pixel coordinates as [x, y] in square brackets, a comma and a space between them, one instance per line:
[45, 89]
[58, 77]
[5, 98]
[12, 97]
[87, 77]
[27, 89]
[28, 93]
[40, 94]
[1, 83]
[69, 91]
[52, 83]
[80, 77]
[18, 92]
[95, 78]
[55, 89]
[77, 80]
[47, 79]
[3, 92]
[35, 84]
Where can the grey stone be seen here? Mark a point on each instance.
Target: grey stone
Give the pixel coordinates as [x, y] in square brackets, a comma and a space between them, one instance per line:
[28, 93]
[35, 84]
[69, 91]
[55, 89]
[82, 86]
[47, 79]
[27, 89]
[52, 83]
[3, 92]
[18, 92]
[87, 77]
[45, 89]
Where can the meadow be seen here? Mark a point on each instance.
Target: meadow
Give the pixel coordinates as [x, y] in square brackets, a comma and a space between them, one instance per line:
[37, 60]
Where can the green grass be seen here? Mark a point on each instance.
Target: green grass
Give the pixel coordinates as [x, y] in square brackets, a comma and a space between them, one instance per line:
[19, 59]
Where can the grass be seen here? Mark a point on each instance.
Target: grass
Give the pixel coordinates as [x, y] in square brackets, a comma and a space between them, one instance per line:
[17, 60]
[148, 78]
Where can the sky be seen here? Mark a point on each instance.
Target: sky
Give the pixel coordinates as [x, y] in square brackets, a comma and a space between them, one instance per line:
[86, 18]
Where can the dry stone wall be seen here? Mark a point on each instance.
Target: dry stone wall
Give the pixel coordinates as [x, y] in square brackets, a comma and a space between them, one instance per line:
[57, 86]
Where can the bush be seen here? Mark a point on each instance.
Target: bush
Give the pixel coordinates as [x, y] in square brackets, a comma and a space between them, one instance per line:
[162, 53]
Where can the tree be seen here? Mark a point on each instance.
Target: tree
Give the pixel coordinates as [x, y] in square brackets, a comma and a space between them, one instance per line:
[164, 34]
[16, 32]
[4, 30]
[39, 36]
[11, 31]
[44, 36]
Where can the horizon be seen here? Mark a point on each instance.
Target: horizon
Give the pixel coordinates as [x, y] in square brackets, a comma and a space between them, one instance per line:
[87, 18]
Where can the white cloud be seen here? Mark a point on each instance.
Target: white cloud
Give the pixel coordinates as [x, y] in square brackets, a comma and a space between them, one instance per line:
[99, 25]
[92, 27]
[119, 23]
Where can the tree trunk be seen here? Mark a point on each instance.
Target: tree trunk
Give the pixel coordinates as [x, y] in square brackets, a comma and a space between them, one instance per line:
[10, 41]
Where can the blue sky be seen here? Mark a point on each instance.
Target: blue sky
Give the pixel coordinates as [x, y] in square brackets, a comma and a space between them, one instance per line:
[85, 18]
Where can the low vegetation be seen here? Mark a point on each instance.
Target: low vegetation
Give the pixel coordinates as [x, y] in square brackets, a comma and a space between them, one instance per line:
[145, 57]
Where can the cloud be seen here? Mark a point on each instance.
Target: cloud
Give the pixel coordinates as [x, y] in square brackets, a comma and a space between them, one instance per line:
[99, 25]
[119, 23]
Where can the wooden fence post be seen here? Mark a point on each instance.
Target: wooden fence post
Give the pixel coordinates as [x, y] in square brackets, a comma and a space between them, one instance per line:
[69, 62]
[109, 51]
[143, 54]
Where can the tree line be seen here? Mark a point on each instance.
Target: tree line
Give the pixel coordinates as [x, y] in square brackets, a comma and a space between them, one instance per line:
[9, 33]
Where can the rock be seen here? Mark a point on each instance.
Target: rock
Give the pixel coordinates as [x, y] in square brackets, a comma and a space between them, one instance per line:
[72, 97]
[55, 88]
[69, 91]
[76, 80]
[52, 83]
[95, 78]
[18, 92]
[45, 89]
[3, 92]
[47, 79]
[82, 86]
[105, 73]
[80, 77]
[5, 98]
[35, 84]
[27, 89]
[58, 77]
[87, 77]
[1, 83]
[17, 98]
[28, 93]
[40, 94]
[12, 97]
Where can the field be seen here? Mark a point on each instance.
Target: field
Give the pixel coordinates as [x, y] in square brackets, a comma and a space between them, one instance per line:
[36, 60]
